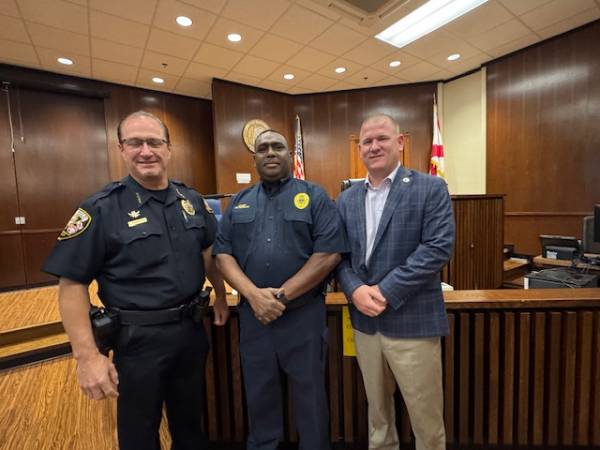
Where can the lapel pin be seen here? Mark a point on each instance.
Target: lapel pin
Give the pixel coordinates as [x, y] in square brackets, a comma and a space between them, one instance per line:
[406, 180]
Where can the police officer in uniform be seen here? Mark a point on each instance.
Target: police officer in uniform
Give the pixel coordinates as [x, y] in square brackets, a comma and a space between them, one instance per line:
[277, 242]
[147, 241]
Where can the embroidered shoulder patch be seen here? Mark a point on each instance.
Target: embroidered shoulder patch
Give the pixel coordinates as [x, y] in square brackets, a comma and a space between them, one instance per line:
[301, 200]
[77, 225]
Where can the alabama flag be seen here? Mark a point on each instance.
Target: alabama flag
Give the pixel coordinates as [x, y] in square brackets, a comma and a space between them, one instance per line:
[298, 171]
[436, 165]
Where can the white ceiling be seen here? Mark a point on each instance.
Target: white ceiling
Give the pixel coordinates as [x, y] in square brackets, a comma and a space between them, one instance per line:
[132, 41]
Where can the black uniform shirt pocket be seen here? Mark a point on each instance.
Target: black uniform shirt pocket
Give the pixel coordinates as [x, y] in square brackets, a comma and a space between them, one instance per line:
[242, 221]
[296, 232]
[142, 246]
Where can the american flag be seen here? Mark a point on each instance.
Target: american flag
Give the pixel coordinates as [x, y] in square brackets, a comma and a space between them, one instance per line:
[298, 151]
[436, 165]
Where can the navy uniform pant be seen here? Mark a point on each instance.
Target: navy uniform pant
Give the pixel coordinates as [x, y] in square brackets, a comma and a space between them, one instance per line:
[294, 345]
[161, 364]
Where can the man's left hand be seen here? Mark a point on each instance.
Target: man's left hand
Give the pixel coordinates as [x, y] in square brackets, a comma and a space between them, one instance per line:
[221, 310]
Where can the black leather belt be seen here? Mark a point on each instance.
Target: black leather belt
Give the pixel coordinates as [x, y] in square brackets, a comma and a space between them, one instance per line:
[154, 317]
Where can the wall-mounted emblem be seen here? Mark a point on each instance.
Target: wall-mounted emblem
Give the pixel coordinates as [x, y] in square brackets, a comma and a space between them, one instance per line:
[252, 129]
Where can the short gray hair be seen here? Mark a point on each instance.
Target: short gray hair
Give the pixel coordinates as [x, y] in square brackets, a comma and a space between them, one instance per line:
[143, 114]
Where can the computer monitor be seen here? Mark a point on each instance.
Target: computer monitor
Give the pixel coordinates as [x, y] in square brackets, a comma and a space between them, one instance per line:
[597, 222]
[590, 245]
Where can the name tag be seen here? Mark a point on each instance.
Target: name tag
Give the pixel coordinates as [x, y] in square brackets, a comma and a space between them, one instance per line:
[133, 223]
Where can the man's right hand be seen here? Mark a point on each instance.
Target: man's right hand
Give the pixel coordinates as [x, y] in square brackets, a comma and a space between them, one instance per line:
[265, 305]
[369, 301]
[97, 376]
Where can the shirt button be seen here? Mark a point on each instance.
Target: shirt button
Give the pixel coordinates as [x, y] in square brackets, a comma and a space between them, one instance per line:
[268, 264]
[270, 217]
[268, 239]
[144, 233]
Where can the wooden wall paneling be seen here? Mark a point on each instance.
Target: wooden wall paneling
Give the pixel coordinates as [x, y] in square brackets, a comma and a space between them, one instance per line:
[538, 378]
[476, 261]
[61, 161]
[212, 401]
[328, 119]
[508, 400]
[464, 432]
[494, 379]
[121, 102]
[449, 378]
[233, 105]
[224, 383]
[190, 127]
[553, 376]
[584, 374]
[349, 398]
[239, 414]
[478, 379]
[530, 123]
[595, 416]
[362, 421]
[568, 378]
[522, 403]
[12, 272]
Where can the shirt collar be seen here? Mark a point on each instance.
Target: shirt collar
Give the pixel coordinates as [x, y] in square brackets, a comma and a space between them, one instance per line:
[272, 187]
[390, 177]
[143, 195]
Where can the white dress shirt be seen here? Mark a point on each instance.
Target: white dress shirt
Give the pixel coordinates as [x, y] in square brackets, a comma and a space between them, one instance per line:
[374, 204]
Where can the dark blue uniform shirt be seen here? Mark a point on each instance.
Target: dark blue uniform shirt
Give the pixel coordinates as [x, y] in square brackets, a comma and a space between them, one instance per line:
[143, 247]
[272, 229]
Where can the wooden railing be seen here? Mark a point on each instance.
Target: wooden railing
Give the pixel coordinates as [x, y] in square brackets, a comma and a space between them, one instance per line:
[520, 368]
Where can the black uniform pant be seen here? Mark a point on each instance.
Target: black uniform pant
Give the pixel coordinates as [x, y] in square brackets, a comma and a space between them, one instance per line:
[161, 364]
[296, 345]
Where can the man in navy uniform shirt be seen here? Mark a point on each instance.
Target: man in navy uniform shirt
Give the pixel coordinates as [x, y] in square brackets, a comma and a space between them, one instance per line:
[277, 242]
[147, 241]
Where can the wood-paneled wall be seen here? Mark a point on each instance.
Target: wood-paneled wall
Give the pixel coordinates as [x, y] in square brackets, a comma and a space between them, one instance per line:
[190, 127]
[233, 105]
[328, 120]
[65, 139]
[542, 143]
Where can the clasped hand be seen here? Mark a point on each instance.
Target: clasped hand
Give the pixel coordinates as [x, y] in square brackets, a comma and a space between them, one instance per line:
[369, 300]
[266, 307]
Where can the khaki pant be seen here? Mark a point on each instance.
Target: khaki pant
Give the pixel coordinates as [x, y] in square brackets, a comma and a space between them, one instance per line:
[416, 365]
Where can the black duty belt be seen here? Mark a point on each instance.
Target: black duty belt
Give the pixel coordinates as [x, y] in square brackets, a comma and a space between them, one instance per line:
[155, 317]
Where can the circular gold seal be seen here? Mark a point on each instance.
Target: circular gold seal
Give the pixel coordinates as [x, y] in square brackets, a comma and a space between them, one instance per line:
[252, 129]
[301, 200]
[188, 207]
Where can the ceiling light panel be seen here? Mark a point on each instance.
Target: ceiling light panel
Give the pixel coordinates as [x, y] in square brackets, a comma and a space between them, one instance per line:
[425, 19]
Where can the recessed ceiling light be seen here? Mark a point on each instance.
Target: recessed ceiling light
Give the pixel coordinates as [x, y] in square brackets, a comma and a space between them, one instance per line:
[65, 61]
[184, 21]
[289, 76]
[234, 37]
[340, 69]
[425, 19]
[394, 63]
[158, 80]
[453, 56]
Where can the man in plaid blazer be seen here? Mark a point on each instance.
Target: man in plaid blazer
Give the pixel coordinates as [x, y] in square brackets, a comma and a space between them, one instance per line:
[401, 231]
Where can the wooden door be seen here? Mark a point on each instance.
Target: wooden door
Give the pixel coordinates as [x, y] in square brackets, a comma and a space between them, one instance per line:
[12, 272]
[358, 169]
[62, 160]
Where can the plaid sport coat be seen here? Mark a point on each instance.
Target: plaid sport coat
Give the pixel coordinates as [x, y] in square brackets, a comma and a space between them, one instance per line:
[413, 242]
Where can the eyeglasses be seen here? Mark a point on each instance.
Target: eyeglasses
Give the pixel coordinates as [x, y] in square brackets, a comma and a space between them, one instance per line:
[138, 142]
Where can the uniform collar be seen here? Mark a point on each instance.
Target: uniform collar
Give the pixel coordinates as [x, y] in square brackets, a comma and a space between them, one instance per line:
[273, 187]
[142, 194]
